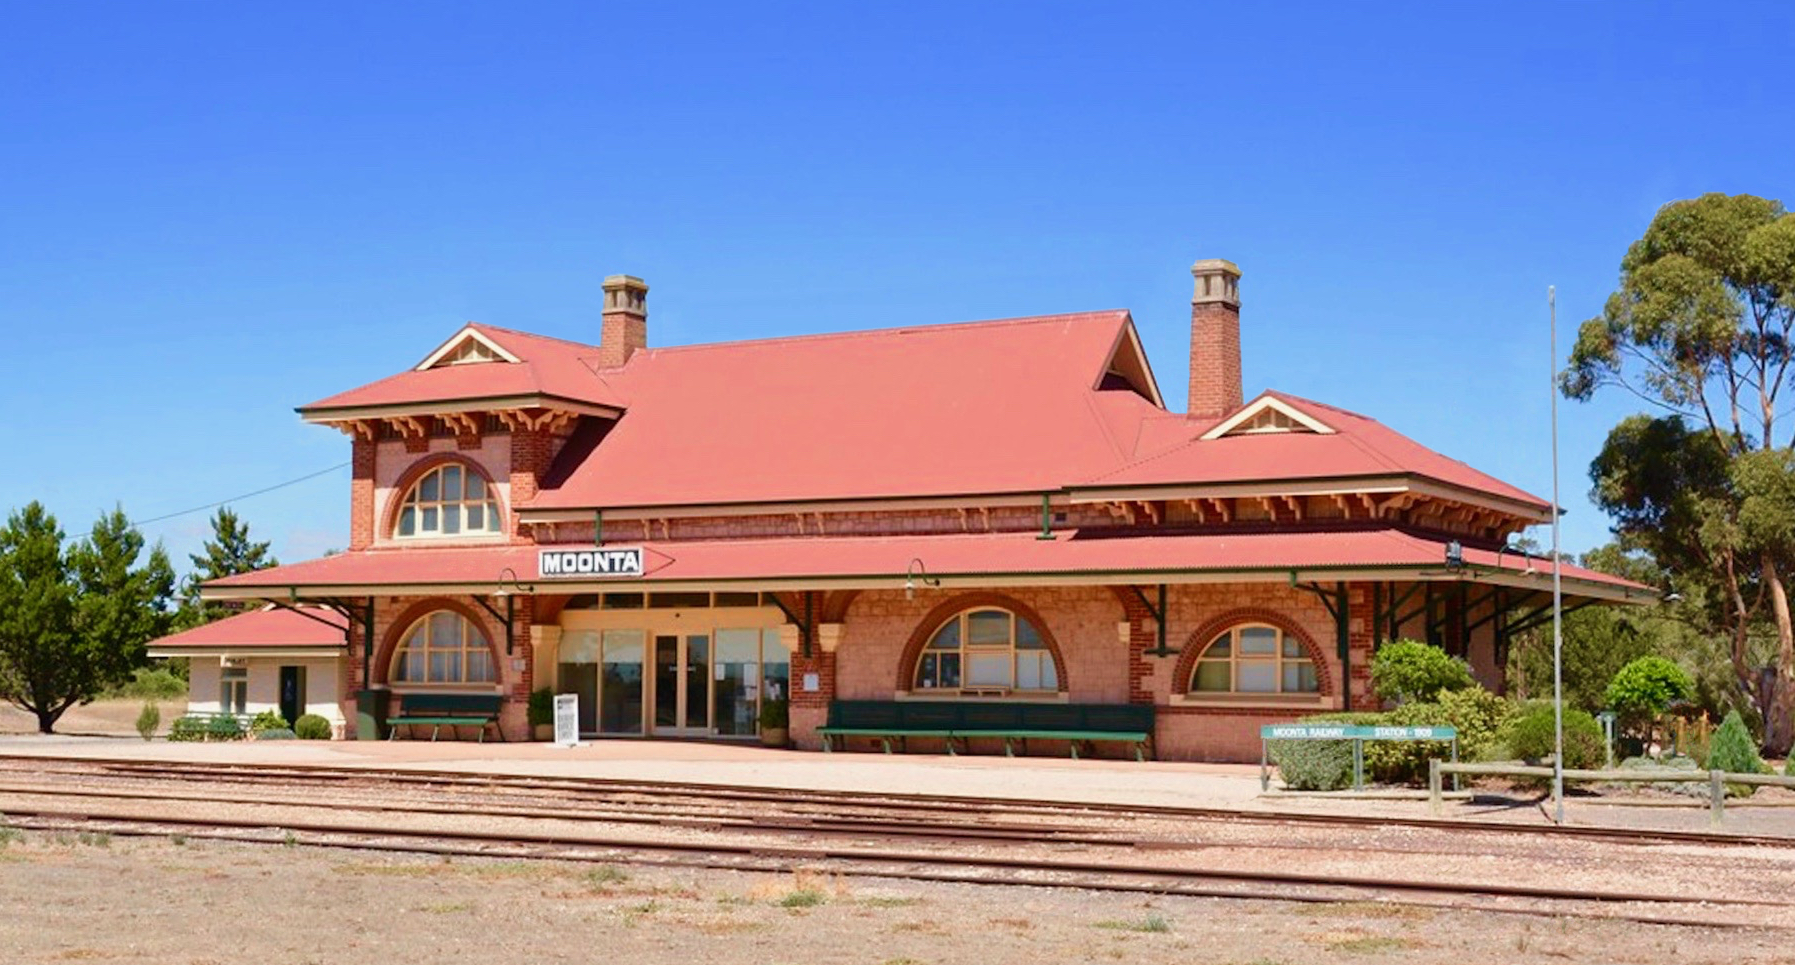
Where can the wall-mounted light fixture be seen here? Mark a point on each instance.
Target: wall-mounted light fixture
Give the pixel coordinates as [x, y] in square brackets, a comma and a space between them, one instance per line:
[912, 574]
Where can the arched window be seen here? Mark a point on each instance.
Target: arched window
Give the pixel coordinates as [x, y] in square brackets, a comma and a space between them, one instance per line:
[450, 500]
[443, 648]
[986, 651]
[1254, 659]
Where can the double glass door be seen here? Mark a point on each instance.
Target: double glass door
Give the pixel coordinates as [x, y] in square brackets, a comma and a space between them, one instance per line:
[682, 684]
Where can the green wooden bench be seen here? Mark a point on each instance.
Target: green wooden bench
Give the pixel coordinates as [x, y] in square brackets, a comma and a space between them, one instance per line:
[1012, 722]
[447, 710]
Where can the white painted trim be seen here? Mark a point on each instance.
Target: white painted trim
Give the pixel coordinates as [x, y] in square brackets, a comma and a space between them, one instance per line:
[238, 653]
[454, 342]
[1253, 702]
[329, 416]
[1228, 425]
[1133, 340]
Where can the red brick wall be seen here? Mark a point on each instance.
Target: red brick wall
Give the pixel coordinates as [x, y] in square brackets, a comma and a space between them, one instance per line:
[1214, 359]
[621, 334]
[361, 493]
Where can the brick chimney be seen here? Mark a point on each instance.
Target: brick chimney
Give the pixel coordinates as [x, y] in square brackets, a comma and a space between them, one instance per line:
[625, 327]
[1214, 339]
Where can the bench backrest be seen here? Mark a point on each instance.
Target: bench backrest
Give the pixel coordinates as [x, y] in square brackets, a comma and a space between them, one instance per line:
[423, 704]
[993, 715]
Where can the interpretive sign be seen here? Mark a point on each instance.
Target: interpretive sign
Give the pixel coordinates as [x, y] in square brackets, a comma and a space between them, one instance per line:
[567, 719]
[599, 562]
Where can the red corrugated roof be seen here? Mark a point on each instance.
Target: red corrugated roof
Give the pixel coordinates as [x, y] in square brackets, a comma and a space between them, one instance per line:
[1359, 446]
[548, 367]
[1007, 406]
[886, 559]
[270, 627]
[992, 407]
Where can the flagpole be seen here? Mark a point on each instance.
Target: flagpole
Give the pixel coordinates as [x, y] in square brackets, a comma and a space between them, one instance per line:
[1557, 589]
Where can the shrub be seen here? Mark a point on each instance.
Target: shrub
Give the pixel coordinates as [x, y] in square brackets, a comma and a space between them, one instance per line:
[1529, 736]
[1734, 751]
[224, 727]
[774, 714]
[267, 720]
[275, 734]
[1477, 714]
[187, 729]
[311, 727]
[1318, 765]
[148, 719]
[1644, 688]
[541, 710]
[1408, 670]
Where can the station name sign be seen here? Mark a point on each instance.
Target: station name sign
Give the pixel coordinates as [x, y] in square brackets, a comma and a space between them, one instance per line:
[600, 562]
[1315, 732]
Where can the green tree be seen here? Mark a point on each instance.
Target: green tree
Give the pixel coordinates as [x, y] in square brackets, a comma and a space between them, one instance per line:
[74, 619]
[1645, 688]
[229, 552]
[1701, 328]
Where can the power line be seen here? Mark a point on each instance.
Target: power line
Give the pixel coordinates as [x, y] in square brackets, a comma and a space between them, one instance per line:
[221, 502]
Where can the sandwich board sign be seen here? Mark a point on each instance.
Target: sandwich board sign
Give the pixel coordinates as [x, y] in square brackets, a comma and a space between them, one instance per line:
[567, 719]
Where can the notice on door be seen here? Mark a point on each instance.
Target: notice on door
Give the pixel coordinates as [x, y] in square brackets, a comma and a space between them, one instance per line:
[567, 719]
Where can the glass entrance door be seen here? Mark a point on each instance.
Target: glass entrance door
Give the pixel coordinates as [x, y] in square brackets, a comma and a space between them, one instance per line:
[682, 684]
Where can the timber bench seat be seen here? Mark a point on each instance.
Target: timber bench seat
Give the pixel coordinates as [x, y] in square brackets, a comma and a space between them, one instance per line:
[1012, 722]
[437, 711]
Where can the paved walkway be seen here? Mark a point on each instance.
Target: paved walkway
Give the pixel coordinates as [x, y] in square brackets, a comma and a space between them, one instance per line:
[1034, 778]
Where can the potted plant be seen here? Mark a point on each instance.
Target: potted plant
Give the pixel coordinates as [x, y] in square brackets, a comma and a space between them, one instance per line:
[541, 713]
[774, 720]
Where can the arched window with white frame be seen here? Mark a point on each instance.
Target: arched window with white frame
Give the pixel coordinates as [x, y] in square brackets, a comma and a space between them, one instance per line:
[986, 650]
[1254, 658]
[444, 648]
[450, 500]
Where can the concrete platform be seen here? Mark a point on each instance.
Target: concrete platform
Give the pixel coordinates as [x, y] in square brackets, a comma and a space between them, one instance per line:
[1023, 778]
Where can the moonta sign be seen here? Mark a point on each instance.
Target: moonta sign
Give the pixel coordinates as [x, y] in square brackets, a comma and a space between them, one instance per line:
[606, 562]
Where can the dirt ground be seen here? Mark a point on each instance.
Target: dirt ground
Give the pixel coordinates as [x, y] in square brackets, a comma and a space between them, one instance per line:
[190, 902]
[112, 718]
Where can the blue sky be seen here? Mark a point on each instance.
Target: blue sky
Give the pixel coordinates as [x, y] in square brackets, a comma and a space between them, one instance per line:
[212, 213]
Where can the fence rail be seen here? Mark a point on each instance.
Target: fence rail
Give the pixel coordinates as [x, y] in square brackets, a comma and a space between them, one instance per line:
[1717, 780]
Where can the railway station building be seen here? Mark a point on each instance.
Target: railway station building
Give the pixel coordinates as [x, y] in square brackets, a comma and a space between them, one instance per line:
[990, 515]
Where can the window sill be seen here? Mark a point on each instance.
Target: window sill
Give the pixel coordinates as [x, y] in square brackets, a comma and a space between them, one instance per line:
[1014, 696]
[1255, 701]
[411, 688]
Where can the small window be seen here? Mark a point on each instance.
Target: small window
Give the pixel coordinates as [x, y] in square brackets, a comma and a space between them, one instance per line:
[444, 648]
[986, 651]
[451, 500]
[1254, 659]
[233, 690]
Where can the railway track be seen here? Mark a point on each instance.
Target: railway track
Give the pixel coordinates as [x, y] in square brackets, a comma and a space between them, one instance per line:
[700, 800]
[765, 829]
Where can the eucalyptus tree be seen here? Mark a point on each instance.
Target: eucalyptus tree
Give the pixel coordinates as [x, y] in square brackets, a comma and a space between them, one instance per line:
[1700, 329]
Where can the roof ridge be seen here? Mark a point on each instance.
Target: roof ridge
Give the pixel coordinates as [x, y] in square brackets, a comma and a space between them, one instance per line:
[1108, 313]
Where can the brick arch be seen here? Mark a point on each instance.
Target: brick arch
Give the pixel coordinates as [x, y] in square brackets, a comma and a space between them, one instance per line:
[395, 634]
[389, 520]
[1200, 640]
[925, 629]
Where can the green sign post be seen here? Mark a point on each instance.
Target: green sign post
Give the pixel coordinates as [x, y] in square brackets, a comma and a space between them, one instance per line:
[1357, 733]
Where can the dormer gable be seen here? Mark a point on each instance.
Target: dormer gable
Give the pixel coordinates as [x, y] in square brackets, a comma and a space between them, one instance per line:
[468, 346]
[1265, 416]
[1126, 368]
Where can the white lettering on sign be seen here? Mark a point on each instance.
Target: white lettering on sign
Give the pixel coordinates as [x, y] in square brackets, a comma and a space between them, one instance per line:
[604, 563]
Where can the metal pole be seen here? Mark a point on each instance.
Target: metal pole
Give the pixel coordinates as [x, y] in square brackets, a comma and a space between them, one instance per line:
[1557, 589]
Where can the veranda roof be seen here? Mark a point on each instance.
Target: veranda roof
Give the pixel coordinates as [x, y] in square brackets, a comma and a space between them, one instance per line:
[962, 560]
[271, 629]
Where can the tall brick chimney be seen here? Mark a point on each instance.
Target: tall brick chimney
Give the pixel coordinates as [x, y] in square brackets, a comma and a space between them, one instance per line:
[625, 327]
[1215, 339]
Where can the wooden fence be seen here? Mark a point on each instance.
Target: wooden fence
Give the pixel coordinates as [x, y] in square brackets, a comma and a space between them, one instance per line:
[1717, 780]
